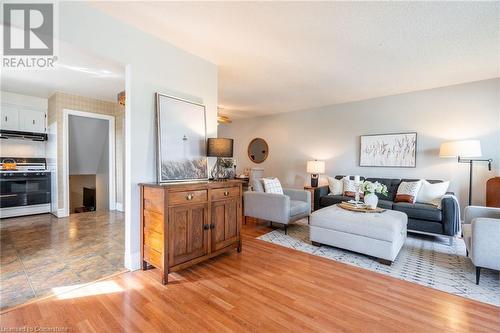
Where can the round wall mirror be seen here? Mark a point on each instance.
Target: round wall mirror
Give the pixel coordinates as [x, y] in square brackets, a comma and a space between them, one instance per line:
[258, 150]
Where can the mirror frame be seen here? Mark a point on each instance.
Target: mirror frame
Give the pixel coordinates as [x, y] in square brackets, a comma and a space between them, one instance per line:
[248, 150]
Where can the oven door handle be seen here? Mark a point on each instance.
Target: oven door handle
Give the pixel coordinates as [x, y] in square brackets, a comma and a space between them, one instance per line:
[7, 195]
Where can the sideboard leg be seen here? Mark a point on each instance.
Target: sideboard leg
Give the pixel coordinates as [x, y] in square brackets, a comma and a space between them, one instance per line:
[240, 245]
[164, 278]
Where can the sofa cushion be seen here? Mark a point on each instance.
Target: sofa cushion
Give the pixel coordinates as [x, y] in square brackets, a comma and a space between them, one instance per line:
[328, 200]
[419, 211]
[257, 185]
[392, 187]
[298, 207]
[385, 204]
[432, 227]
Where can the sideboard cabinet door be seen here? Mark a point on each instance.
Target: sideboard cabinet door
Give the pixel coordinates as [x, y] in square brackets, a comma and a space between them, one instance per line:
[188, 232]
[225, 223]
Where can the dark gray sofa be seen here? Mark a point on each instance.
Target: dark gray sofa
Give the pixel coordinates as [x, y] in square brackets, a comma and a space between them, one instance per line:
[421, 217]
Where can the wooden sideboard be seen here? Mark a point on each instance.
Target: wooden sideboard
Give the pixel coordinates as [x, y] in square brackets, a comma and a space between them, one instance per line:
[184, 224]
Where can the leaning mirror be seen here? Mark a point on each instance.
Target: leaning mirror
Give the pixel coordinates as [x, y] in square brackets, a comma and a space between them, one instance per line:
[258, 150]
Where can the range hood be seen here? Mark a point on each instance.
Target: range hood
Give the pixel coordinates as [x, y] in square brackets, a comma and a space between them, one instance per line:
[19, 135]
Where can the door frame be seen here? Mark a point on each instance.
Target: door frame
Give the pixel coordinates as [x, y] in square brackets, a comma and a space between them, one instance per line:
[111, 155]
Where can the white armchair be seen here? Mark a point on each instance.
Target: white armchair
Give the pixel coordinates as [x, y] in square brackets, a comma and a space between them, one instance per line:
[284, 208]
[481, 233]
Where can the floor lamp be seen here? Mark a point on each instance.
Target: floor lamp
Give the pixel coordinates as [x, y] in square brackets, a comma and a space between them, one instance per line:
[467, 151]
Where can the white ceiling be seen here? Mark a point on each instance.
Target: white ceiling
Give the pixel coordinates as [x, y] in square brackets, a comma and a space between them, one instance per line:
[284, 56]
[77, 72]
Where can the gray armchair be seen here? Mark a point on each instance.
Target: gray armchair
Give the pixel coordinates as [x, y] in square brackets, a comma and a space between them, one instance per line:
[284, 208]
[481, 233]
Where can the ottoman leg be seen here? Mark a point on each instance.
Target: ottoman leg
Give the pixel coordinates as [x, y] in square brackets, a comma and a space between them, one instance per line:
[384, 261]
[315, 243]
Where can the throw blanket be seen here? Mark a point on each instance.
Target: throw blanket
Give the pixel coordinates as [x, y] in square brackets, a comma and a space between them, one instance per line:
[457, 218]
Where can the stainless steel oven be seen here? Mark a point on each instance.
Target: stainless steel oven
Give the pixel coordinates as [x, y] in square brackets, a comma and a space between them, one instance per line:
[25, 190]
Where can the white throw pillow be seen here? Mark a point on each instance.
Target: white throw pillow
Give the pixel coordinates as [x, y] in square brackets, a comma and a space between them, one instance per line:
[432, 193]
[408, 191]
[272, 185]
[336, 186]
[350, 187]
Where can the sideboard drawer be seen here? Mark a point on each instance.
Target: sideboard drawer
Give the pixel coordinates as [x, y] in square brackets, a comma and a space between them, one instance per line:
[175, 198]
[222, 193]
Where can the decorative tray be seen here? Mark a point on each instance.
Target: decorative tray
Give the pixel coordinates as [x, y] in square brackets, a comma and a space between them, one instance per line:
[359, 208]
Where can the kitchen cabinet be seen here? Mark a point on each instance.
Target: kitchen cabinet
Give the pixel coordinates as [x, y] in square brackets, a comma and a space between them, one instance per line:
[10, 118]
[32, 121]
[19, 118]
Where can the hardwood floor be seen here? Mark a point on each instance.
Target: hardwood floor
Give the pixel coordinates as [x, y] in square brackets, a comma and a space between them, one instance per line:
[266, 288]
[42, 255]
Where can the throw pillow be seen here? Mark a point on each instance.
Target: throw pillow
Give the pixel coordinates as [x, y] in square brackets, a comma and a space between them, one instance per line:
[272, 185]
[350, 188]
[336, 186]
[408, 191]
[432, 193]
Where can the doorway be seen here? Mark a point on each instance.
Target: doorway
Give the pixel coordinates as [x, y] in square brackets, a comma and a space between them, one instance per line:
[89, 161]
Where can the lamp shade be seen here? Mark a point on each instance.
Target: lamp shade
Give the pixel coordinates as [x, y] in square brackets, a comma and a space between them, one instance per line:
[220, 147]
[315, 167]
[465, 148]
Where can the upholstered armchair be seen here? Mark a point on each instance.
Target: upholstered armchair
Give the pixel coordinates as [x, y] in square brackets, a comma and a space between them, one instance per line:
[481, 232]
[284, 208]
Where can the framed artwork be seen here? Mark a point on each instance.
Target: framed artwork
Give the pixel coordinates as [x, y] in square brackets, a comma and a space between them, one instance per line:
[181, 140]
[397, 150]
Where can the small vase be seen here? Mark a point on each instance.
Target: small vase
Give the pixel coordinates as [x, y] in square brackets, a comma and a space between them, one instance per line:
[371, 200]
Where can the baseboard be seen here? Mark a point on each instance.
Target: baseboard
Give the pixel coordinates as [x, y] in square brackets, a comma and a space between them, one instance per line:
[119, 207]
[61, 212]
[133, 261]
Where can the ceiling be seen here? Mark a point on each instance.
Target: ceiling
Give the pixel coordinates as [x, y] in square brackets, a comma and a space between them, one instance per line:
[283, 56]
[77, 72]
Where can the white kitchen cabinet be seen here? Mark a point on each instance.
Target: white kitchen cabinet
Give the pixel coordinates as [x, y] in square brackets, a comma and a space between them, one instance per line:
[32, 121]
[10, 118]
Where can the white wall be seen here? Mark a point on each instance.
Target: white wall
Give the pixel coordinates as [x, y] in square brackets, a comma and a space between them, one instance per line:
[87, 138]
[332, 133]
[151, 66]
[23, 148]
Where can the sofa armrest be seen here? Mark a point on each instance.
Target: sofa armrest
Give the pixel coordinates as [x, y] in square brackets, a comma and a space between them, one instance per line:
[267, 206]
[299, 195]
[318, 193]
[485, 251]
[451, 216]
[472, 212]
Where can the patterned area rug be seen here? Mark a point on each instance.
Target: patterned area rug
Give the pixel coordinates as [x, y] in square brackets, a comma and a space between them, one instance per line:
[423, 260]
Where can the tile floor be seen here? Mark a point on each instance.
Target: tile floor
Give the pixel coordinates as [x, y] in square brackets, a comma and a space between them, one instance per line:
[41, 252]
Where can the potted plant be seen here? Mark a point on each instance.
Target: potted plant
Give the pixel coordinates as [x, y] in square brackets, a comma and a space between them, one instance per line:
[369, 189]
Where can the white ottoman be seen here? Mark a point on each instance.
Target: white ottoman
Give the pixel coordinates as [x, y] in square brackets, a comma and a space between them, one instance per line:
[380, 235]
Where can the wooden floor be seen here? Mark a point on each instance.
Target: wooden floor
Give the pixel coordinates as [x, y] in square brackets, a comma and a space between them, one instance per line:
[266, 288]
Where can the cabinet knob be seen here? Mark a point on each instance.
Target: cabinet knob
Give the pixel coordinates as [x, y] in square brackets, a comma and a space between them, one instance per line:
[206, 227]
[189, 197]
[212, 226]
[226, 193]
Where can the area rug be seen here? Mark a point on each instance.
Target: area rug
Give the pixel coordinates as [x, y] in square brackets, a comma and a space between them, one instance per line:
[423, 260]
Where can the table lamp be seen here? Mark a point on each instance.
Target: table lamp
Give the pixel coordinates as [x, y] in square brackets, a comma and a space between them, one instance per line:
[219, 147]
[315, 168]
[466, 151]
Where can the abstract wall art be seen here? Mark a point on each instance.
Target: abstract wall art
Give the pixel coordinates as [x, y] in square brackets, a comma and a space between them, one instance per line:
[181, 140]
[398, 150]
